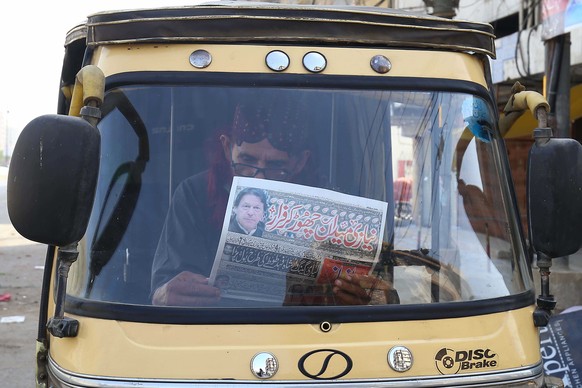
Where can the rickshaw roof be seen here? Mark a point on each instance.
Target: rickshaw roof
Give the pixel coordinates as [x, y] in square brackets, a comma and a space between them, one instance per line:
[271, 23]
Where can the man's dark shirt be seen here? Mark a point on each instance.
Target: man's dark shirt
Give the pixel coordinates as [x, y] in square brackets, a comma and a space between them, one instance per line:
[235, 227]
[189, 239]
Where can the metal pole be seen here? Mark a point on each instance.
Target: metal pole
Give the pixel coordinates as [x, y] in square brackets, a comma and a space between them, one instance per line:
[558, 93]
[563, 89]
[558, 85]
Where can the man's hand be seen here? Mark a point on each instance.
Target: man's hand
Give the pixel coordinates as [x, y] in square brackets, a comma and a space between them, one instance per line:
[361, 289]
[186, 289]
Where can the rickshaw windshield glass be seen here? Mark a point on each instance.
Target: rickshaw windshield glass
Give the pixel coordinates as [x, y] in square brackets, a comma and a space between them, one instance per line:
[341, 197]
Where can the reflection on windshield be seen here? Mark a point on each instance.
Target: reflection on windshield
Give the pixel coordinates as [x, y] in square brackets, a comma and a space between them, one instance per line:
[431, 157]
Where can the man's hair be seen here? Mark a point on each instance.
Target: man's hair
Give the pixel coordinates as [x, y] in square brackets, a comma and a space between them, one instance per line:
[261, 194]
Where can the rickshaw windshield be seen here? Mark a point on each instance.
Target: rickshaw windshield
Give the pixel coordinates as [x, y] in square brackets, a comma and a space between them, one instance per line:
[406, 187]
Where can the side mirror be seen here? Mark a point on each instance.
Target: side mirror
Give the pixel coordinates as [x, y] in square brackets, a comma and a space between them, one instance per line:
[52, 179]
[554, 193]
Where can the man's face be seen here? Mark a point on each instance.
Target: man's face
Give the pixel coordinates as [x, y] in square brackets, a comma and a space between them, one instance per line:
[249, 212]
[264, 156]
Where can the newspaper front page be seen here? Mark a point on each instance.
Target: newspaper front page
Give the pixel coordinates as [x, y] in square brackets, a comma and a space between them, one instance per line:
[282, 242]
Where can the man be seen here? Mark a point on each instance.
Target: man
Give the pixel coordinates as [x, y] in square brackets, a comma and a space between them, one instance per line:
[265, 142]
[268, 140]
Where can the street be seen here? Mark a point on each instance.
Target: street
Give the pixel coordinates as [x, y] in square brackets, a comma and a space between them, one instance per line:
[21, 263]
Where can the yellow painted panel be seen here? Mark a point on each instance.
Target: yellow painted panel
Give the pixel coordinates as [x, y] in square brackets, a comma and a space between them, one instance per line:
[138, 350]
[576, 102]
[251, 59]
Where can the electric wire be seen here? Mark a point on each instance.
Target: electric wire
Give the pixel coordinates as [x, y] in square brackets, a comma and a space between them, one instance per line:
[525, 72]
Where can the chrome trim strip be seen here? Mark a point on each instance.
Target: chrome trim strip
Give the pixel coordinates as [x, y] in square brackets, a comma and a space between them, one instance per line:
[498, 378]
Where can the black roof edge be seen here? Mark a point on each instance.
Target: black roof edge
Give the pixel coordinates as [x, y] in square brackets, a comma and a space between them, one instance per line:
[231, 21]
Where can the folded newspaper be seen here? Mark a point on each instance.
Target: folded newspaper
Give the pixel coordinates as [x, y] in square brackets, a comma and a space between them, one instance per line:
[280, 240]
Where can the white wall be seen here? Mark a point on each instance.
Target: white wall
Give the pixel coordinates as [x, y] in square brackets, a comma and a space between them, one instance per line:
[486, 10]
[474, 10]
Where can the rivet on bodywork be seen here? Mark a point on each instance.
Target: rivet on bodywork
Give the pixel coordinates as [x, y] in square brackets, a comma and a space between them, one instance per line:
[200, 59]
[380, 64]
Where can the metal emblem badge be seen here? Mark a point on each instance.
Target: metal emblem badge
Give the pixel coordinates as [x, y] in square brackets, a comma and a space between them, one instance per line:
[264, 365]
[323, 359]
[400, 358]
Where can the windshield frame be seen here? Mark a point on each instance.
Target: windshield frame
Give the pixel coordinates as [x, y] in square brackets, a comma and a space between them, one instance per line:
[308, 314]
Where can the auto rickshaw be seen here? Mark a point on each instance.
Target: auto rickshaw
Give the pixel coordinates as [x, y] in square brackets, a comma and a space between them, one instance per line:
[144, 152]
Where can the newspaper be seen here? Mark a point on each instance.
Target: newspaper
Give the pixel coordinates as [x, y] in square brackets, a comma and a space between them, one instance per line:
[305, 239]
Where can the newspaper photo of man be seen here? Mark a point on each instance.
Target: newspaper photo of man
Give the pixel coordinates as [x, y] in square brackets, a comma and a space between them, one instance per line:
[248, 213]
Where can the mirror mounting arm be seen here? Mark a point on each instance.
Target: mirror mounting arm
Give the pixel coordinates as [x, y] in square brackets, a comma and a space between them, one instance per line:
[88, 93]
[91, 113]
[59, 325]
[542, 135]
[541, 115]
[545, 301]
